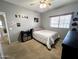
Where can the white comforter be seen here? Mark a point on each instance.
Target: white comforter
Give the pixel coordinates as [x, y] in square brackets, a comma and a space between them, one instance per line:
[46, 37]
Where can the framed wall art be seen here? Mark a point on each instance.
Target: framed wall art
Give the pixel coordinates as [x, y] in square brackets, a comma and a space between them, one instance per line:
[36, 19]
[18, 24]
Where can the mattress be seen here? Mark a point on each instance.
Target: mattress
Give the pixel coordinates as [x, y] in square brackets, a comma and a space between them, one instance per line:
[46, 37]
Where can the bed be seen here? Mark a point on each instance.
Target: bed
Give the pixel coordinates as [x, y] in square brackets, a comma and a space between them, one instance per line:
[46, 37]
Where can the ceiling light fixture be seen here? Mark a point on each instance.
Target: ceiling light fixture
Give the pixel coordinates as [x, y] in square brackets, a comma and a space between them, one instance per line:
[45, 3]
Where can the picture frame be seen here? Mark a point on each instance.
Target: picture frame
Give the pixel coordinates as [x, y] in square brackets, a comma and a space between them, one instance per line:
[36, 19]
[18, 24]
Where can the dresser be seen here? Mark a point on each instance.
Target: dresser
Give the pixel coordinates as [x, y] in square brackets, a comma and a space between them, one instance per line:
[70, 46]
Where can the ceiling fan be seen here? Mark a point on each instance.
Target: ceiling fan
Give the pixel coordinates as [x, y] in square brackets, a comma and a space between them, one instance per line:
[42, 3]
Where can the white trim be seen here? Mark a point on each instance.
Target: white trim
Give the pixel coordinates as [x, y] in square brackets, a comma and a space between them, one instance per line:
[4, 14]
[1, 49]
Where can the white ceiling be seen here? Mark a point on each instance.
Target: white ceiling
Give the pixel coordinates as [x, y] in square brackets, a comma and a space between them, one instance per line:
[35, 7]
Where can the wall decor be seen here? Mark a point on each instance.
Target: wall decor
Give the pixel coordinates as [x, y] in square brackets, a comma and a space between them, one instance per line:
[16, 16]
[36, 19]
[25, 17]
[18, 24]
[74, 24]
[20, 16]
[75, 19]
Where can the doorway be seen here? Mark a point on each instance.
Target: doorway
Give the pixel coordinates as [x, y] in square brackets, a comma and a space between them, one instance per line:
[4, 28]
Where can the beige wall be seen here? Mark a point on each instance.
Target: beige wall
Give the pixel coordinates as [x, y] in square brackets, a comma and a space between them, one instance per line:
[45, 21]
[11, 10]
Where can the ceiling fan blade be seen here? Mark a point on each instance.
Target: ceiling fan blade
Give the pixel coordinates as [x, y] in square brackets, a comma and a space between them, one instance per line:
[38, 2]
[35, 2]
[50, 4]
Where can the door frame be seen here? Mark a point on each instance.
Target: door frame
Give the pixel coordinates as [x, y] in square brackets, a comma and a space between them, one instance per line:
[4, 15]
[1, 48]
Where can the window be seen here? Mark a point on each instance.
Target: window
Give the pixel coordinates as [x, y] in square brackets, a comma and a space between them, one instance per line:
[0, 24]
[54, 21]
[61, 21]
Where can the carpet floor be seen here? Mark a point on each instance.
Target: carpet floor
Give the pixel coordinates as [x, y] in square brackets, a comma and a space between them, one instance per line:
[31, 50]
